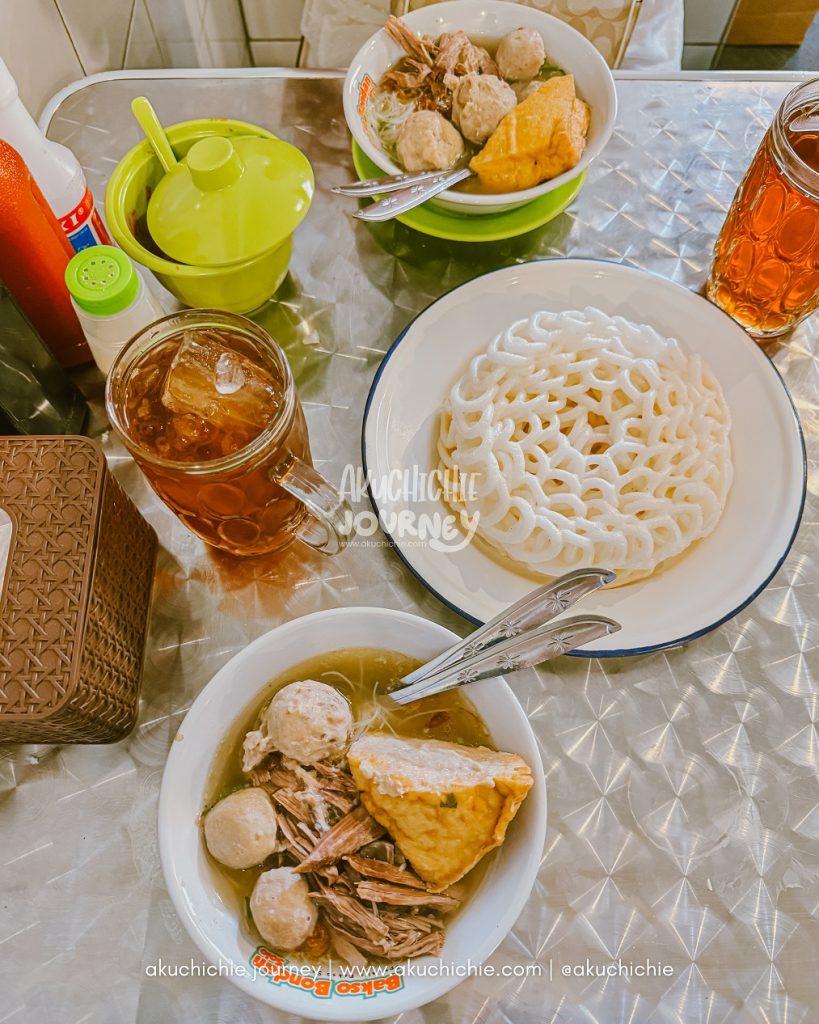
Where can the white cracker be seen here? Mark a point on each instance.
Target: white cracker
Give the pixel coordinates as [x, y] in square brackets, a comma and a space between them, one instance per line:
[590, 440]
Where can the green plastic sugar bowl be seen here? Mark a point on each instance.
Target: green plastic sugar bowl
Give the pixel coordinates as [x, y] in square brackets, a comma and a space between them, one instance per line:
[239, 287]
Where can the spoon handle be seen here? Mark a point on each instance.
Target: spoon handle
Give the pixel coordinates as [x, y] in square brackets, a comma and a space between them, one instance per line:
[389, 183]
[154, 132]
[535, 609]
[511, 655]
[408, 198]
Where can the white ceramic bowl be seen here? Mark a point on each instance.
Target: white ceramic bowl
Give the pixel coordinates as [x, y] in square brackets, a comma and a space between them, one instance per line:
[215, 922]
[491, 19]
[719, 574]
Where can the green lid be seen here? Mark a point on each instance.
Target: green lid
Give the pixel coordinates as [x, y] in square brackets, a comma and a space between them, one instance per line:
[230, 200]
[214, 163]
[102, 280]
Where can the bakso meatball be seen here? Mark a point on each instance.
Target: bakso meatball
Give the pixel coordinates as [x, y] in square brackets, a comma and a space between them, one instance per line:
[521, 54]
[306, 721]
[282, 909]
[241, 830]
[428, 142]
[479, 104]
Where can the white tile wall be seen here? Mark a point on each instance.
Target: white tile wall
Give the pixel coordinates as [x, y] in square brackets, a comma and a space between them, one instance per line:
[49, 43]
[705, 20]
[229, 53]
[99, 30]
[222, 21]
[272, 53]
[199, 33]
[142, 49]
[698, 58]
[224, 32]
[175, 21]
[36, 46]
[273, 19]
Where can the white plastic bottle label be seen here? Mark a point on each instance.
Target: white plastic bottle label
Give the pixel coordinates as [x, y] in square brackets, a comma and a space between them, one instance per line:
[84, 225]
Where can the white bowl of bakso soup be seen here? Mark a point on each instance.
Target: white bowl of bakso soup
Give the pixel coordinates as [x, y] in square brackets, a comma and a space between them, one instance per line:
[316, 838]
[520, 96]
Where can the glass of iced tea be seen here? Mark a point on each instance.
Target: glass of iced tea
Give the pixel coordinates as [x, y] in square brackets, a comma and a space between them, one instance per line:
[205, 403]
[766, 261]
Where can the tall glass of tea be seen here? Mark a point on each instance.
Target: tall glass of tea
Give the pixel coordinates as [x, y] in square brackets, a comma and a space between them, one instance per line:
[766, 262]
[205, 403]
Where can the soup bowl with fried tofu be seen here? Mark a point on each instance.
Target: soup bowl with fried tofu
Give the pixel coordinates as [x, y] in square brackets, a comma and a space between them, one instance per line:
[516, 94]
[317, 838]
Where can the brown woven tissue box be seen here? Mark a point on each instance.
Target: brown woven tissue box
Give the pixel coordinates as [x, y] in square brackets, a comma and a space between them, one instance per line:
[77, 563]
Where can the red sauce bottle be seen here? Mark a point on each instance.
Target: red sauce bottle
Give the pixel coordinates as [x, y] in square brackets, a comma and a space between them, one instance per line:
[34, 252]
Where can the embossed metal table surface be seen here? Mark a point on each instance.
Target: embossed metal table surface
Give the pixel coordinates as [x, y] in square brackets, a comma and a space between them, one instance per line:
[683, 786]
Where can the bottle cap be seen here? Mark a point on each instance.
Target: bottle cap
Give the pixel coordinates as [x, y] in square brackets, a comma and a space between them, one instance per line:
[102, 280]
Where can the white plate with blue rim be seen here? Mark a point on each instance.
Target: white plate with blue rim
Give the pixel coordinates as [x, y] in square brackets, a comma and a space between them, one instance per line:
[715, 578]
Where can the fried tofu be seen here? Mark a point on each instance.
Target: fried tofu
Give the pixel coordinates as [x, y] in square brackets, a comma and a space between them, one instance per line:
[544, 136]
[444, 804]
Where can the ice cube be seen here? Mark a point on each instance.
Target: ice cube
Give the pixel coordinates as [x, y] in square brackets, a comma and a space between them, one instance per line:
[208, 378]
[229, 374]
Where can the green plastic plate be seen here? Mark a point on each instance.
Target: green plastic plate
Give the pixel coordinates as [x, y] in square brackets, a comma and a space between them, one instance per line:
[487, 227]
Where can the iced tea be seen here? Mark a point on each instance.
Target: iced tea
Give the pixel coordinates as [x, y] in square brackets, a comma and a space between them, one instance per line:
[766, 262]
[205, 403]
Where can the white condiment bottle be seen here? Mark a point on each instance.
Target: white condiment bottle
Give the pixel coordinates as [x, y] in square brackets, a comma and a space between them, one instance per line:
[111, 300]
[54, 167]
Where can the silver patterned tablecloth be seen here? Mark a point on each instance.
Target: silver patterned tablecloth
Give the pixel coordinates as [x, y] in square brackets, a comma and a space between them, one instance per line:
[683, 786]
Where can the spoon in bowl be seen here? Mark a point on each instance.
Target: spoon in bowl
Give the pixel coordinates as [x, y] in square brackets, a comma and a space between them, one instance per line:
[154, 132]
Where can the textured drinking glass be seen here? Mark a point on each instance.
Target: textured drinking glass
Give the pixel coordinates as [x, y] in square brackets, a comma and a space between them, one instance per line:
[205, 403]
[766, 260]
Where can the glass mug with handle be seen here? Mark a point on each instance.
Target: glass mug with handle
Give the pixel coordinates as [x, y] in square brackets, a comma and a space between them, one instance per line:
[205, 403]
[765, 272]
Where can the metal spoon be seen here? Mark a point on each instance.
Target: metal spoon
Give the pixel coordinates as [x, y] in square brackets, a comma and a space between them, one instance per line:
[535, 609]
[409, 197]
[524, 651]
[389, 183]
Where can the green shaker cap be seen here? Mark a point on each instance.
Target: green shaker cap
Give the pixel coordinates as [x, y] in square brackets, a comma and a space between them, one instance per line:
[102, 280]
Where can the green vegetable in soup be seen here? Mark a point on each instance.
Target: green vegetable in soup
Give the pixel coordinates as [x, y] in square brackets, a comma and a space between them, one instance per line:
[549, 70]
